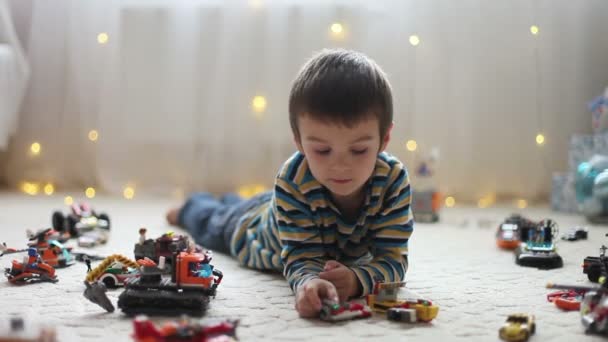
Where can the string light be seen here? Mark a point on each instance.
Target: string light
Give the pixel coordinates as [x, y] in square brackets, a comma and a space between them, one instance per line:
[93, 135]
[522, 203]
[102, 38]
[534, 30]
[336, 28]
[90, 192]
[30, 188]
[411, 145]
[414, 40]
[450, 201]
[540, 139]
[49, 189]
[128, 192]
[35, 148]
[259, 104]
[68, 200]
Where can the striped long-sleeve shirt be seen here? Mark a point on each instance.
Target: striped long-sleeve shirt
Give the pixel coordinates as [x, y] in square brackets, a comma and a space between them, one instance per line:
[300, 228]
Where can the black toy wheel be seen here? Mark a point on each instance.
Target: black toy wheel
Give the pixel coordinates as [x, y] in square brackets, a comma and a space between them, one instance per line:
[71, 225]
[58, 221]
[104, 216]
[109, 282]
[594, 276]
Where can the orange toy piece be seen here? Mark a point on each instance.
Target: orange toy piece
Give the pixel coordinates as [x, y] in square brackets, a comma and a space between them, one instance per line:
[32, 269]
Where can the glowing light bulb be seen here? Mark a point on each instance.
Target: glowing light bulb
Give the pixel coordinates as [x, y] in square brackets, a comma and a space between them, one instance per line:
[259, 104]
[49, 189]
[540, 139]
[93, 135]
[102, 38]
[534, 30]
[128, 192]
[336, 28]
[522, 203]
[90, 192]
[35, 148]
[414, 40]
[450, 201]
[68, 200]
[411, 145]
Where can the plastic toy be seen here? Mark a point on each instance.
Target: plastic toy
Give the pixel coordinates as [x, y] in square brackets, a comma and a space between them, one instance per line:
[426, 205]
[334, 312]
[51, 251]
[113, 271]
[81, 220]
[568, 300]
[384, 297]
[183, 330]
[164, 246]
[16, 332]
[590, 183]
[31, 270]
[592, 266]
[594, 306]
[518, 327]
[576, 233]
[537, 248]
[508, 233]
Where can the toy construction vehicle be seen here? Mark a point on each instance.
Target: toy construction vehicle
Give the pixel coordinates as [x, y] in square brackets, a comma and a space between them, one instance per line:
[537, 248]
[83, 222]
[164, 246]
[31, 270]
[51, 251]
[183, 330]
[113, 271]
[384, 299]
[592, 265]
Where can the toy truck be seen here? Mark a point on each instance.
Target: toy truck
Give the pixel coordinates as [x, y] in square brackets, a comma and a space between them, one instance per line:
[384, 298]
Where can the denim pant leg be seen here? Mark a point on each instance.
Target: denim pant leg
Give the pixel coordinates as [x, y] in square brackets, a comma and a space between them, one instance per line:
[204, 217]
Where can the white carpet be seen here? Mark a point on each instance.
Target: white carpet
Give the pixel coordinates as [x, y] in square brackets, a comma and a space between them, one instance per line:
[454, 263]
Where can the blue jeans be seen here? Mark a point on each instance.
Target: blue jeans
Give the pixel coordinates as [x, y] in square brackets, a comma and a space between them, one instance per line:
[212, 221]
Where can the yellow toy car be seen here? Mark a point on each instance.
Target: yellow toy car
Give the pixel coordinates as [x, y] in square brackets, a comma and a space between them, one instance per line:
[518, 327]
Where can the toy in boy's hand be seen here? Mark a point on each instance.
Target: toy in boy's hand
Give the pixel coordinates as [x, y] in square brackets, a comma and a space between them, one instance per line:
[518, 327]
[84, 222]
[333, 311]
[183, 330]
[31, 270]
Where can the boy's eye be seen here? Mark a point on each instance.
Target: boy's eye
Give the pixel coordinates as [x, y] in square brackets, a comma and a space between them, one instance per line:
[359, 151]
[322, 152]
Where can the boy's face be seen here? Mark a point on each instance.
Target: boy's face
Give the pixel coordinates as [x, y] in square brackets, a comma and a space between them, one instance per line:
[339, 157]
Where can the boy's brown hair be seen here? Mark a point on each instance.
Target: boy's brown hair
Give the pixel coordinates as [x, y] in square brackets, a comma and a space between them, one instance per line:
[342, 87]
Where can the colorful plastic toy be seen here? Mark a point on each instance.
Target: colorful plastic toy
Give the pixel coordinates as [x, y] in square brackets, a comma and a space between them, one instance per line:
[592, 265]
[508, 233]
[167, 245]
[594, 306]
[576, 233]
[31, 270]
[334, 312]
[80, 220]
[183, 330]
[568, 300]
[537, 248]
[385, 297]
[518, 327]
[51, 251]
[114, 271]
[426, 206]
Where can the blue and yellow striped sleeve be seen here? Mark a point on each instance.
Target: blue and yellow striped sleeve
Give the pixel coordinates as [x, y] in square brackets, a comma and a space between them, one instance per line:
[391, 230]
[303, 252]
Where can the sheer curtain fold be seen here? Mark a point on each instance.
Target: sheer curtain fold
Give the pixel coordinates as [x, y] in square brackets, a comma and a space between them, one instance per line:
[170, 93]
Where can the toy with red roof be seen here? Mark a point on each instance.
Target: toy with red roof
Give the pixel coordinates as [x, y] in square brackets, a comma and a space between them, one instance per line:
[333, 312]
[184, 330]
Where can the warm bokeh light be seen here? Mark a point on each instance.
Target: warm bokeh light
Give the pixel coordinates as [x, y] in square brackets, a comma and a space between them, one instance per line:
[450, 201]
[35, 148]
[128, 192]
[250, 190]
[90, 192]
[534, 29]
[411, 145]
[540, 139]
[522, 203]
[30, 188]
[336, 28]
[68, 200]
[256, 3]
[93, 135]
[49, 189]
[414, 40]
[259, 104]
[102, 38]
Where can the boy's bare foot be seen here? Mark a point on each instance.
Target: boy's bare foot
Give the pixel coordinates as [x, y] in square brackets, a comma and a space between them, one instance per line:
[172, 216]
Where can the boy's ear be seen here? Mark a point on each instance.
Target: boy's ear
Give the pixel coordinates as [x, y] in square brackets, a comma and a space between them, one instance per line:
[386, 138]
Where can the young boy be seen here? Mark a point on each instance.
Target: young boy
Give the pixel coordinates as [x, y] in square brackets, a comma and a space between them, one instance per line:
[339, 217]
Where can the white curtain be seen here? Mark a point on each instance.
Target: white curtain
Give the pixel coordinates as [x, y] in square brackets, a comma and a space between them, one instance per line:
[14, 72]
[170, 91]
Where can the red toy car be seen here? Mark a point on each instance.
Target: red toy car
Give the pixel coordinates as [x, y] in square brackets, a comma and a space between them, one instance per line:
[333, 312]
[183, 330]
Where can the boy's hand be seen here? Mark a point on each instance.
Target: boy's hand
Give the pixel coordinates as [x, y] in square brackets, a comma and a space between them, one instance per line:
[343, 278]
[310, 295]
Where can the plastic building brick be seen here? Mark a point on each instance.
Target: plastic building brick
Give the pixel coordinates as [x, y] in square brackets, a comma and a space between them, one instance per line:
[183, 330]
[385, 297]
[569, 300]
[518, 327]
[167, 245]
[593, 307]
[537, 248]
[113, 271]
[333, 312]
[80, 220]
[402, 315]
[31, 270]
[51, 251]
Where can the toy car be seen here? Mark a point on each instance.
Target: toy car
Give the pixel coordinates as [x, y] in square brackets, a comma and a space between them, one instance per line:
[81, 219]
[51, 251]
[518, 327]
[576, 233]
[401, 315]
[508, 233]
[333, 312]
[31, 270]
[385, 297]
[568, 300]
[594, 306]
[183, 330]
[537, 248]
[592, 265]
[113, 271]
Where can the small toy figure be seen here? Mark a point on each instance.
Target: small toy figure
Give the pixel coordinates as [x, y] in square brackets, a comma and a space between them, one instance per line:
[142, 235]
[576, 233]
[333, 312]
[518, 327]
[87, 261]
